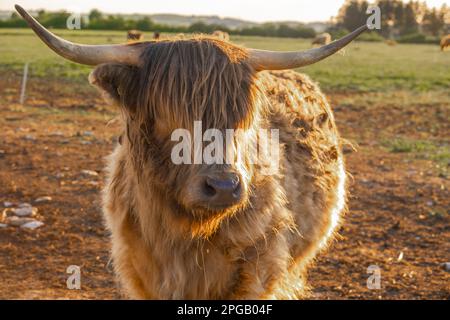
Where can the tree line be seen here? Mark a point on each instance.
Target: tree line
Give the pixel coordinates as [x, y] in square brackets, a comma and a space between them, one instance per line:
[400, 20]
[406, 22]
[96, 20]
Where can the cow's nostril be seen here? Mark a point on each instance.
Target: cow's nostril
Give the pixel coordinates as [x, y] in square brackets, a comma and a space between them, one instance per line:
[237, 191]
[209, 190]
[222, 191]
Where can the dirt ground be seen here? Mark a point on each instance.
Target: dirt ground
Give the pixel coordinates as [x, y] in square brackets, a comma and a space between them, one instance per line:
[398, 217]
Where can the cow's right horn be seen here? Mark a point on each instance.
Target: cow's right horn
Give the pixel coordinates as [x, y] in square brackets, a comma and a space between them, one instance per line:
[276, 60]
[85, 54]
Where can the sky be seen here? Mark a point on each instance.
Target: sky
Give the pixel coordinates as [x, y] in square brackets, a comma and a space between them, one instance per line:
[253, 10]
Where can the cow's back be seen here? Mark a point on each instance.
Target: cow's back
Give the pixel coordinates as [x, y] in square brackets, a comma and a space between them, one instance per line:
[312, 165]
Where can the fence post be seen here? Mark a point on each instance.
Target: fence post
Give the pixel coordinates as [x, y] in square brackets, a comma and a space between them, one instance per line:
[24, 84]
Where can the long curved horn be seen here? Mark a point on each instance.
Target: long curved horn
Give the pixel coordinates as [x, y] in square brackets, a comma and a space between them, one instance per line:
[276, 60]
[84, 54]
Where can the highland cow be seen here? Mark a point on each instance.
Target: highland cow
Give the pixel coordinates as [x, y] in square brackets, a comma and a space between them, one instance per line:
[222, 35]
[445, 42]
[215, 231]
[391, 42]
[134, 35]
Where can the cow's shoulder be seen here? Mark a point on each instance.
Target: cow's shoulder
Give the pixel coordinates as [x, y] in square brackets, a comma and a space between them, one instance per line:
[293, 92]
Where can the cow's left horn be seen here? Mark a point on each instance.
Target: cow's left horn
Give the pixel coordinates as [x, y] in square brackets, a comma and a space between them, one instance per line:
[84, 54]
[276, 60]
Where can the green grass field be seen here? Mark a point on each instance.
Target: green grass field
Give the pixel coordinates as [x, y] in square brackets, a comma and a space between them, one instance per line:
[363, 67]
[392, 108]
[405, 77]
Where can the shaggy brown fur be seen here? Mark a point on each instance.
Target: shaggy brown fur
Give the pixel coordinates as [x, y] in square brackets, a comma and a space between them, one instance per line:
[163, 247]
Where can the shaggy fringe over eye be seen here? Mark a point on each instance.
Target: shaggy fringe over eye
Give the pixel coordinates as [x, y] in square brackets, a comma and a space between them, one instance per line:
[196, 79]
[187, 80]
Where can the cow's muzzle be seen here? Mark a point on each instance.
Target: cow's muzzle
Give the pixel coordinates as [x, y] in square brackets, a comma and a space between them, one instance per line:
[221, 190]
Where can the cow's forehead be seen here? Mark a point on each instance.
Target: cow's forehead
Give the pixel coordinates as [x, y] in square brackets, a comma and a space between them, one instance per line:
[199, 79]
[196, 48]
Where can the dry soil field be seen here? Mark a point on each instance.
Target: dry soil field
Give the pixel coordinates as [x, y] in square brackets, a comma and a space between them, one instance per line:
[399, 190]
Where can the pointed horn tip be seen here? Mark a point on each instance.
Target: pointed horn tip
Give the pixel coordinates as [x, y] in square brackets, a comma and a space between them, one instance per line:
[19, 9]
[271, 60]
[79, 53]
[22, 12]
[364, 27]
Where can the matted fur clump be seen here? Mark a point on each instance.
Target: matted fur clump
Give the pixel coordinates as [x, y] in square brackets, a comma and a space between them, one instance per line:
[164, 246]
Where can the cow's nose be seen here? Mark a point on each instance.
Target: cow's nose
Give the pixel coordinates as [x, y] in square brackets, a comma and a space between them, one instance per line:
[223, 190]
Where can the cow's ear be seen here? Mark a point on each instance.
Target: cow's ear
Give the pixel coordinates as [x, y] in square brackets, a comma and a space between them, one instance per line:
[113, 81]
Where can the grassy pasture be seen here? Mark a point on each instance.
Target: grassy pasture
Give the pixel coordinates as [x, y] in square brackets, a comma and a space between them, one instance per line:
[362, 66]
[378, 76]
[391, 103]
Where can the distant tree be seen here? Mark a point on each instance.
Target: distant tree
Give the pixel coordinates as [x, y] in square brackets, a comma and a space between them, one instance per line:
[409, 22]
[13, 22]
[399, 12]
[353, 14]
[445, 13]
[108, 23]
[285, 30]
[56, 19]
[433, 22]
[200, 27]
[95, 14]
[420, 8]
[388, 16]
[144, 24]
[42, 15]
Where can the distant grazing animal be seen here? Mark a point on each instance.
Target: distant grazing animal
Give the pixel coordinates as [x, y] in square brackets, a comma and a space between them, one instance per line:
[445, 42]
[391, 42]
[222, 35]
[322, 39]
[134, 35]
[156, 35]
[215, 230]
